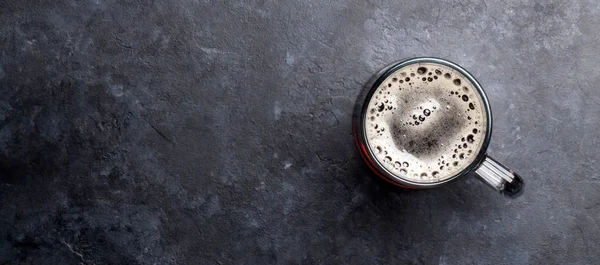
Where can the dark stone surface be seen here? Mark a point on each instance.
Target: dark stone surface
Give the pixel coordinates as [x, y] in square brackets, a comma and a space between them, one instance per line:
[218, 132]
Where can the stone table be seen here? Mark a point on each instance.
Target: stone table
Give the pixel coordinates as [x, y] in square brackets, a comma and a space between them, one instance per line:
[218, 132]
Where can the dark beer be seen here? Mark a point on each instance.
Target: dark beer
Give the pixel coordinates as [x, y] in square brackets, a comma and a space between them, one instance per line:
[425, 123]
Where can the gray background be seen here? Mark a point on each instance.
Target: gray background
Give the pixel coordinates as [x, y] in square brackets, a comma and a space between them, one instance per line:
[218, 132]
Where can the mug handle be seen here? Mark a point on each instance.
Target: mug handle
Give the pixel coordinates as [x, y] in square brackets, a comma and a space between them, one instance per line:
[499, 177]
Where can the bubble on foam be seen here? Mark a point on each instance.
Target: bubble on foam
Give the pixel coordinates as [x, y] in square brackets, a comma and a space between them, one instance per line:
[402, 172]
[471, 106]
[435, 77]
[405, 164]
[423, 175]
[465, 89]
[465, 98]
[475, 131]
[379, 149]
[438, 72]
[421, 118]
[461, 156]
[470, 138]
[422, 70]
[455, 163]
[387, 159]
[435, 174]
[426, 112]
[447, 75]
[429, 79]
[407, 79]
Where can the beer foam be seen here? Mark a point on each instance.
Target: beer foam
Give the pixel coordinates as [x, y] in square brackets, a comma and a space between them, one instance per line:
[425, 123]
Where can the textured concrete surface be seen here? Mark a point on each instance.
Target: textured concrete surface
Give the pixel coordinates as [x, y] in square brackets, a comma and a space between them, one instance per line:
[218, 132]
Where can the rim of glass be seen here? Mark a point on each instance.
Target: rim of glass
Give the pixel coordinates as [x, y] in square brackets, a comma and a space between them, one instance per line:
[393, 68]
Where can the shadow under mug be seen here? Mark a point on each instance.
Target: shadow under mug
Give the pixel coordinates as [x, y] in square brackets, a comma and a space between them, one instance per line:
[486, 169]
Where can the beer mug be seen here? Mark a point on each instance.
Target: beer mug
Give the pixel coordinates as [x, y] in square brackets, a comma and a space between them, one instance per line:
[423, 122]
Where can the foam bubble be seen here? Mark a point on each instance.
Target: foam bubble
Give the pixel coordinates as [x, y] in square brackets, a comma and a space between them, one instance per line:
[470, 138]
